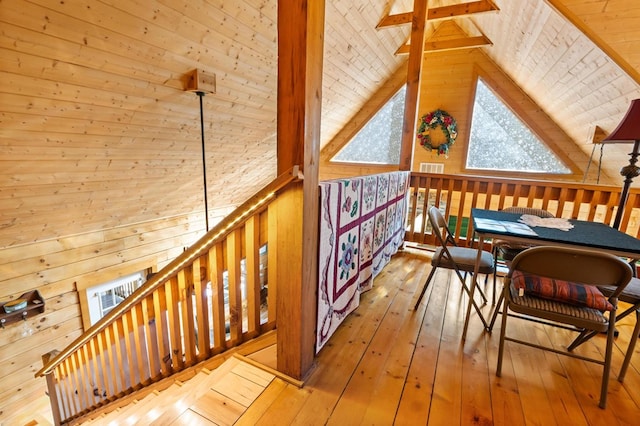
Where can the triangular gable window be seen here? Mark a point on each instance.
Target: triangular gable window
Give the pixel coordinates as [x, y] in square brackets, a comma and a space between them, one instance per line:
[379, 140]
[501, 141]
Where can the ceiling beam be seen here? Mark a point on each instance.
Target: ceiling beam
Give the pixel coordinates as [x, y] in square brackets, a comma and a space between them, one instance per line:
[462, 9]
[442, 12]
[452, 44]
[412, 93]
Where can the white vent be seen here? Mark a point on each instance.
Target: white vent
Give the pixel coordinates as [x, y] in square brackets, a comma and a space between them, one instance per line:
[431, 167]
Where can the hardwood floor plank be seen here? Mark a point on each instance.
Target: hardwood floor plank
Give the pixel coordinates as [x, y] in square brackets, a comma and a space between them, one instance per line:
[388, 390]
[340, 359]
[218, 408]
[257, 410]
[505, 396]
[191, 418]
[535, 404]
[447, 394]
[382, 369]
[238, 389]
[286, 406]
[416, 397]
[476, 385]
[560, 389]
[253, 374]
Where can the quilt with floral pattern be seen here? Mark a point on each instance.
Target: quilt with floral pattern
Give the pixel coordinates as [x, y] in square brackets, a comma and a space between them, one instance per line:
[361, 226]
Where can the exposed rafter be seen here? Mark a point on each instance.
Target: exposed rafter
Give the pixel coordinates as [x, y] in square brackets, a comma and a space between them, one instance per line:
[442, 12]
[441, 45]
[449, 36]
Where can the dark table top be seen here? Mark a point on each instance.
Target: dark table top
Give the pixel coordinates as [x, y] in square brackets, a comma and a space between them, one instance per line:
[584, 233]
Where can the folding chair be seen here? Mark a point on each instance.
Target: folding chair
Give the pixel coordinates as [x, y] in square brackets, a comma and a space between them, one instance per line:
[558, 286]
[450, 256]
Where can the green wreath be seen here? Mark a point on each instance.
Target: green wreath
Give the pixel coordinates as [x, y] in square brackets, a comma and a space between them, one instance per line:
[448, 125]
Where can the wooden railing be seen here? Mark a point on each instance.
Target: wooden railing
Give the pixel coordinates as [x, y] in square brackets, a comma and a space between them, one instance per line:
[459, 194]
[215, 295]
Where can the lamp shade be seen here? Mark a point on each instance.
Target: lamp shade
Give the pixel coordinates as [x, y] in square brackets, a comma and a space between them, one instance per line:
[629, 128]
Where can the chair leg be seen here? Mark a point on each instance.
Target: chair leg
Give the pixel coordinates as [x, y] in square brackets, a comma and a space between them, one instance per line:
[496, 311]
[502, 336]
[463, 278]
[607, 364]
[424, 288]
[581, 338]
[463, 281]
[495, 273]
[631, 348]
[586, 335]
[482, 295]
[471, 300]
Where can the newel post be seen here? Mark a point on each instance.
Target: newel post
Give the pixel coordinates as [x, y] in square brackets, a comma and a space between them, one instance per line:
[300, 55]
[52, 389]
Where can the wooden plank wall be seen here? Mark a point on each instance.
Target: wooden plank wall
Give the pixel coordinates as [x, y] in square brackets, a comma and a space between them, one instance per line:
[95, 115]
[57, 268]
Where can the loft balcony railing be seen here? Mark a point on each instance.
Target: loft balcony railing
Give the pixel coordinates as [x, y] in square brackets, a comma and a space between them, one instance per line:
[457, 195]
[212, 297]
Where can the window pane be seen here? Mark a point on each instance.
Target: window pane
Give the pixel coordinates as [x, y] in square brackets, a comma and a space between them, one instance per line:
[379, 140]
[501, 141]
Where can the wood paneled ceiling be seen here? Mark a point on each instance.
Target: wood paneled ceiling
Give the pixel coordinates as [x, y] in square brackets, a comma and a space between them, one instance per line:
[97, 130]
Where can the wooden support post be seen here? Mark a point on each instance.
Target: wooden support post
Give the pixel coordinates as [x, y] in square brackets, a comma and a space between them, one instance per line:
[413, 84]
[300, 51]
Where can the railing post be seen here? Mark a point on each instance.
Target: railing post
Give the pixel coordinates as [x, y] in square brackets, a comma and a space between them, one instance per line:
[52, 389]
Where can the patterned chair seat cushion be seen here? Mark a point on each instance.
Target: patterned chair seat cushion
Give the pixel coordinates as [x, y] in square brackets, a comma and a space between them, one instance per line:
[554, 307]
[565, 292]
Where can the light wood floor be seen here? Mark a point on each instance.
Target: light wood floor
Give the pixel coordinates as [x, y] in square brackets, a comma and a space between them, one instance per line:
[388, 364]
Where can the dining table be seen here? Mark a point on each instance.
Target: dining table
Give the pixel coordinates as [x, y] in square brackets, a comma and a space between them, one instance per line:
[517, 228]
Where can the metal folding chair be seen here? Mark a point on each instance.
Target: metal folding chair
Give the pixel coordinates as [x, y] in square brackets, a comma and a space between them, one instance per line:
[540, 275]
[450, 256]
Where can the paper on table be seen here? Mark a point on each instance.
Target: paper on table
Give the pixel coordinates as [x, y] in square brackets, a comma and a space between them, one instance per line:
[519, 228]
[504, 226]
[547, 222]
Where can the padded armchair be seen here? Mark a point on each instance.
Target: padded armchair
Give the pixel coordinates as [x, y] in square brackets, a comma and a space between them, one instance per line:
[450, 256]
[557, 285]
[507, 250]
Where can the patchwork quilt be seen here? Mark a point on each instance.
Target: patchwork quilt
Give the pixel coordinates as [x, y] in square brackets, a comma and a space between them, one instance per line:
[361, 226]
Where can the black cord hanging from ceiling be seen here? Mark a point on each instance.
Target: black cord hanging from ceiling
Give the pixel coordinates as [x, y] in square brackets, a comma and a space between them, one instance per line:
[204, 163]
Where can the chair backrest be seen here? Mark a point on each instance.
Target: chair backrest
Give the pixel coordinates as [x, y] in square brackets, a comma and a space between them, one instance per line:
[528, 210]
[439, 227]
[573, 264]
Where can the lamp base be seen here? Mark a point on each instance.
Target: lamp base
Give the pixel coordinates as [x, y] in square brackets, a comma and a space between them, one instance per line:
[628, 172]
